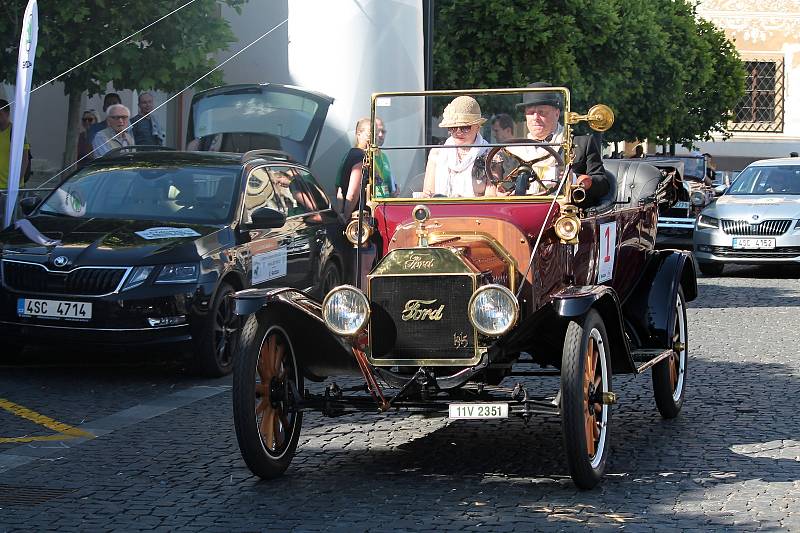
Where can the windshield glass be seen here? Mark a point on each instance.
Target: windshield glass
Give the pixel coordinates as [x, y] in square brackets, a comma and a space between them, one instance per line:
[444, 156]
[694, 167]
[186, 194]
[778, 179]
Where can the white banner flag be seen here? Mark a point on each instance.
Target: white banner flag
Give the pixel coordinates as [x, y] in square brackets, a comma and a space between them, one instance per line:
[27, 54]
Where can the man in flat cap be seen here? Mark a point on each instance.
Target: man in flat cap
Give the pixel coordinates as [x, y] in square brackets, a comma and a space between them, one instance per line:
[542, 113]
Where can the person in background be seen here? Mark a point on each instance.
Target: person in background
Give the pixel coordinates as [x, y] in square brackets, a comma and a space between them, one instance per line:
[638, 152]
[449, 171]
[348, 181]
[502, 127]
[711, 172]
[793, 154]
[5, 147]
[115, 135]
[109, 100]
[88, 120]
[146, 129]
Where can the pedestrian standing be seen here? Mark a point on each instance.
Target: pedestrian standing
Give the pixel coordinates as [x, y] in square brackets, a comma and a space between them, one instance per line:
[115, 135]
[5, 147]
[88, 120]
[146, 129]
[109, 100]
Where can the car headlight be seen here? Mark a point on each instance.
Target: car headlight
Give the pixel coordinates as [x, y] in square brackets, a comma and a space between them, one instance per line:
[345, 310]
[181, 273]
[568, 225]
[493, 310]
[698, 198]
[705, 221]
[137, 276]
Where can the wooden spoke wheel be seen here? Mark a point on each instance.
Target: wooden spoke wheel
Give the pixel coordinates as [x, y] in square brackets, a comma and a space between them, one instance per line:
[266, 390]
[585, 376]
[669, 375]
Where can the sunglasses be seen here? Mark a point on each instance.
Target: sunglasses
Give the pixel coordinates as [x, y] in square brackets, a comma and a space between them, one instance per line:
[462, 129]
[88, 119]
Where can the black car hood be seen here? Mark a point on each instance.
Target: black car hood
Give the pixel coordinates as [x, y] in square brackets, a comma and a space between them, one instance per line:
[104, 242]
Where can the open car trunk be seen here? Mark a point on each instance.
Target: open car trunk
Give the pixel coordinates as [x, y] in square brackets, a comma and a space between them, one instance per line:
[239, 118]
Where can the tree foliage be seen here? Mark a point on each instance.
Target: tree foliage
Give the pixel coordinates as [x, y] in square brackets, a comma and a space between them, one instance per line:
[667, 75]
[168, 56]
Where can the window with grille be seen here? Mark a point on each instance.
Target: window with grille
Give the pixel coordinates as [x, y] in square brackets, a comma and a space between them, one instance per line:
[761, 108]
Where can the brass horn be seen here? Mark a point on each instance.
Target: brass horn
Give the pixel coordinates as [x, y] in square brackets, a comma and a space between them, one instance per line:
[600, 117]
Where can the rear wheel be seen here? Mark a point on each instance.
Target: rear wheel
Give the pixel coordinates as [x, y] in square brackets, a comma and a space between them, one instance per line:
[214, 350]
[585, 376]
[711, 269]
[669, 376]
[266, 391]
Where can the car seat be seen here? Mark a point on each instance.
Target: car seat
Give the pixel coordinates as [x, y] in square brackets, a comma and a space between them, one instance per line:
[635, 181]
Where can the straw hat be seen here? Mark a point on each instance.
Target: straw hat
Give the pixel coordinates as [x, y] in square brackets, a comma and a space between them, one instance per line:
[462, 111]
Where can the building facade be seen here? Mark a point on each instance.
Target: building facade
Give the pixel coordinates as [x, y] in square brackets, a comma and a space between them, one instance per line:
[767, 120]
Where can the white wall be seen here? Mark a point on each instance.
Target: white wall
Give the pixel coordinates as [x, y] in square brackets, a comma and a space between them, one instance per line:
[349, 49]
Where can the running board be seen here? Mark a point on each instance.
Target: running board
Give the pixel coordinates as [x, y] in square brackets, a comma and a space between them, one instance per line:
[651, 357]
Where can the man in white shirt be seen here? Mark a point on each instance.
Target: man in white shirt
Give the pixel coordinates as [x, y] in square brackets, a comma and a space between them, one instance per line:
[114, 136]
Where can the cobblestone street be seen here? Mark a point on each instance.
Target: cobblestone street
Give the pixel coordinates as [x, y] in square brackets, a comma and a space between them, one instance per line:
[164, 453]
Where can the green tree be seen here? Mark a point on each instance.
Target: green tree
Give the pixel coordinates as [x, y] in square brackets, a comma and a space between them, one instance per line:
[666, 74]
[167, 56]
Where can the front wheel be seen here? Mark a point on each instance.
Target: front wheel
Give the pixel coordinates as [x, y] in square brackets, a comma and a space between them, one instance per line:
[669, 375]
[266, 392]
[217, 342]
[585, 418]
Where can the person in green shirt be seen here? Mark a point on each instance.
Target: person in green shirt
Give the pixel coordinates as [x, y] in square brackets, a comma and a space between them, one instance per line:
[5, 145]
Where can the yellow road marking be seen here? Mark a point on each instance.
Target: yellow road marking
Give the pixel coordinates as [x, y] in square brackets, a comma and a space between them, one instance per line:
[65, 431]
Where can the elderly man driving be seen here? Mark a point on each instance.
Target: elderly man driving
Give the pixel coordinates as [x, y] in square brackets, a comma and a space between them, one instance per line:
[542, 118]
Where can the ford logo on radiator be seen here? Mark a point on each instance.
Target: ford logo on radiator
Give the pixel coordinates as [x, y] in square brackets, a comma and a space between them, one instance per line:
[422, 310]
[60, 261]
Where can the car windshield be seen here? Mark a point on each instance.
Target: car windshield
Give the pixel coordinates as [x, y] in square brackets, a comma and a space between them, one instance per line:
[444, 155]
[173, 194]
[694, 167]
[777, 179]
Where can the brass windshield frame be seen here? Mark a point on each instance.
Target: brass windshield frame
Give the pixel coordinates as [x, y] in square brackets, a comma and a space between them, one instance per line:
[373, 148]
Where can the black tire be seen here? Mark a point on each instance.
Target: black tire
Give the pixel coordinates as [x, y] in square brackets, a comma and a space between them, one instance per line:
[264, 338]
[331, 277]
[217, 343]
[711, 269]
[582, 410]
[669, 376]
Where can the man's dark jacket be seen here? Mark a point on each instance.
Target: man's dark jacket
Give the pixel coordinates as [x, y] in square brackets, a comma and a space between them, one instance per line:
[589, 160]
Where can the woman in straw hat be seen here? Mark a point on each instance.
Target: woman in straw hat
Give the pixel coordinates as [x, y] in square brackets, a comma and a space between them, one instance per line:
[449, 171]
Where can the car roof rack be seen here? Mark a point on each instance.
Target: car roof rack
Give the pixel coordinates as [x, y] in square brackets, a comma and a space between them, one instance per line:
[136, 148]
[264, 153]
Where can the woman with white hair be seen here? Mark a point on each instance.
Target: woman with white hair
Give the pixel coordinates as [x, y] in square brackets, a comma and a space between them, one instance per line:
[449, 170]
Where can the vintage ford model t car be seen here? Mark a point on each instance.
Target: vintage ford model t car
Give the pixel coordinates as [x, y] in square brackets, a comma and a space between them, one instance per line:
[694, 192]
[466, 291]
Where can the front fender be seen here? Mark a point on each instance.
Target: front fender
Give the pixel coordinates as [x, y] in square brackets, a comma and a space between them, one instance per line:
[319, 351]
[576, 301]
[650, 308]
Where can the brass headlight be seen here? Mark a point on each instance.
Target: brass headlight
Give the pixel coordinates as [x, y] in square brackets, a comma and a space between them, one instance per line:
[568, 225]
[345, 310]
[493, 310]
[351, 232]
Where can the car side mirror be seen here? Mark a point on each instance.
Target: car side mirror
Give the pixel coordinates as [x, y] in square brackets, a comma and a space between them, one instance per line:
[266, 218]
[28, 204]
[719, 190]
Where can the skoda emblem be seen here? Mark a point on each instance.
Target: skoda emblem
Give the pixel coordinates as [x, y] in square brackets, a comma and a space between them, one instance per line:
[755, 217]
[60, 261]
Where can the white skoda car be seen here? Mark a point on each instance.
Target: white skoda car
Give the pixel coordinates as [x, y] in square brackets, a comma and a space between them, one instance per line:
[756, 221]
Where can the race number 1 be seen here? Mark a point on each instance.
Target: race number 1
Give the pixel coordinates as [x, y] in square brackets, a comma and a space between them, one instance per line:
[608, 241]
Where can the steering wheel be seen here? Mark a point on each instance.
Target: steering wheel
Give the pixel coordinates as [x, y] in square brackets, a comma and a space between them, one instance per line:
[522, 166]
